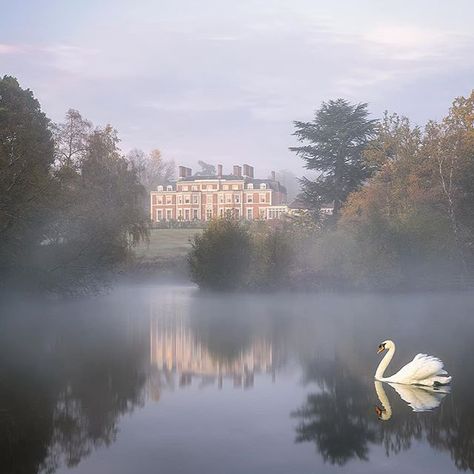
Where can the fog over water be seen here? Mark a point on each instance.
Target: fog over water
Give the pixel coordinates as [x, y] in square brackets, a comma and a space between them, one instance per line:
[171, 379]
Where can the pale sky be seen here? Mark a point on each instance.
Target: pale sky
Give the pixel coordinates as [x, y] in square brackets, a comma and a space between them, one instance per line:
[222, 80]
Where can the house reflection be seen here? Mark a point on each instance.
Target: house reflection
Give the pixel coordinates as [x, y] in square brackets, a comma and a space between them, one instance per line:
[179, 358]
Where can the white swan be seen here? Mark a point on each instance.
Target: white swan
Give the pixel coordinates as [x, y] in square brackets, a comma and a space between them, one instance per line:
[422, 370]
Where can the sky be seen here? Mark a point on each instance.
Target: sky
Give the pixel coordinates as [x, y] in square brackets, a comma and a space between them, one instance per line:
[222, 80]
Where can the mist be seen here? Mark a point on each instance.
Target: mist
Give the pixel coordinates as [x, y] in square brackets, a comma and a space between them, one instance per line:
[236, 237]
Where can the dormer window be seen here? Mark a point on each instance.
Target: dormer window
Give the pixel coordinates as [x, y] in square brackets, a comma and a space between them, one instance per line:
[169, 188]
[250, 186]
[263, 186]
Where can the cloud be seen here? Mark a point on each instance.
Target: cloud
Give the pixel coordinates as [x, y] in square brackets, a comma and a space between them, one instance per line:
[10, 48]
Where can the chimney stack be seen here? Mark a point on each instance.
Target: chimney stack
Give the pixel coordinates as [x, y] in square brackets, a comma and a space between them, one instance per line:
[273, 176]
[248, 171]
[219, 171]
[237, 170]
[181, 172]
[189, 172]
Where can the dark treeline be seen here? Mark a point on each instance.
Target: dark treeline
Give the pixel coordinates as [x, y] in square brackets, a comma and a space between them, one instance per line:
[403, 199]
[71, 205]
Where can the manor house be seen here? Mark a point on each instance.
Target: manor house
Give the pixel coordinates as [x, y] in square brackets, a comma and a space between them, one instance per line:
[239, 195]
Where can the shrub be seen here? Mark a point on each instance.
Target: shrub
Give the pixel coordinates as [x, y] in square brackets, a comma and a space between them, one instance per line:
[220, 256]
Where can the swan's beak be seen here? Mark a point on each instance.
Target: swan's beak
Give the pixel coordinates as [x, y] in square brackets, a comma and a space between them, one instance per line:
[379, 411]
[380, 349]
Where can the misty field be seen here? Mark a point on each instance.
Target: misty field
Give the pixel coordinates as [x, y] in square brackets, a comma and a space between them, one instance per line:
[166, 244]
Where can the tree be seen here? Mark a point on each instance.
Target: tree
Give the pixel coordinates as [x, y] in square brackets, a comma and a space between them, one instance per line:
[224, 245]
[71, 139]
[26, 182]
[333, 144]
[206, 169]
[152, 169]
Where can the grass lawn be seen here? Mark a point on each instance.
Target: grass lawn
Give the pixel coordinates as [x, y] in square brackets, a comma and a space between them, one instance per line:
[166, 243]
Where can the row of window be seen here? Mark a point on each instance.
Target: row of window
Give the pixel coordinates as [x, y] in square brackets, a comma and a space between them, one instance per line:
[193, 214]
[222, 199]
[225, 187]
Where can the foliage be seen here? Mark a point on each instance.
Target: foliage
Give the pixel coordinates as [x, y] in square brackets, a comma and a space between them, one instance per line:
[69, 201]
[220, 256]
[206, 169]
[333, 144]
[231, 255]
[26, 184]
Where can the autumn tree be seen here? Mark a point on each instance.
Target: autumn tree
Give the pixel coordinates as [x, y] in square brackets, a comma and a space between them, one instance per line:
[332, 145]
[152, 168]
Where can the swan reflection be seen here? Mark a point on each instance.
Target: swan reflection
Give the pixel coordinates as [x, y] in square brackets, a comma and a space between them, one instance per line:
[418, 398]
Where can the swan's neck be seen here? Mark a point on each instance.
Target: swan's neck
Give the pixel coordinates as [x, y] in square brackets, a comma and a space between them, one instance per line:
[387, 413]
[384, 363]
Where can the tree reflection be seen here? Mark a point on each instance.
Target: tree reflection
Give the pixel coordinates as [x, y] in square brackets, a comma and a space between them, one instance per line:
[340, 417]
[63, 388]
[336, 419]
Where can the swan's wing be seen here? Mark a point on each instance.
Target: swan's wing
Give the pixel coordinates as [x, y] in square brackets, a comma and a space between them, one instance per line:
[421, 367]
[419, 399]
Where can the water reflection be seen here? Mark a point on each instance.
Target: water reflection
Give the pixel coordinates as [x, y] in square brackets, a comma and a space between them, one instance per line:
[69, 374]
[178, 351]
[418, 398]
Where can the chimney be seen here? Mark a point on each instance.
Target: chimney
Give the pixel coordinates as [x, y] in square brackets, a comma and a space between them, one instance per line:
[219, 171]
[237, 170]
[189, 172]
[273, 176]
[248, 171]
[181, 172]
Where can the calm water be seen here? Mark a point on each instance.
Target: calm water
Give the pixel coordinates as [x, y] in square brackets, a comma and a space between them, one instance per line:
[165, 379]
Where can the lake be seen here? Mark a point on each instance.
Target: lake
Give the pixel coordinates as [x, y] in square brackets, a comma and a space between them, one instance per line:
[168, 379]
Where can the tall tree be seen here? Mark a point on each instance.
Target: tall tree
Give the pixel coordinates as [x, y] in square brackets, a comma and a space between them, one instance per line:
[26, 183]
[71, 138]
[333, 145]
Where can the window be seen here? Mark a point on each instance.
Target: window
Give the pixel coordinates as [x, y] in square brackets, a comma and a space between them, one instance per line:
[169, 200]
[209, 214]
[250, 214]
[169, 188]
[196, 199]
[235, 186]
[262, 213]
[228, 198]
[186, 215]
[180, 214]
[185, 188]
[169, 214]
[249, 198]
[250, 186]
[159, 215]
[159, 199]
[195, 188]
[180, 199]
[195, 214]
[262, 198]
[225, 187]
[263, 186]
[160, 188]
[237, 199]
[221, 198]
[187, 199]
[204, 186]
